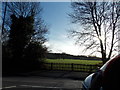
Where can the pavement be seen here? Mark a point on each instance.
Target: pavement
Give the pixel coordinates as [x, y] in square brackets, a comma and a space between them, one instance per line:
[45, 80]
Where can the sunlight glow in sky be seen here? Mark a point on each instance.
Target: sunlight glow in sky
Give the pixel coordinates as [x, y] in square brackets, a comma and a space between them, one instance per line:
[56, 16]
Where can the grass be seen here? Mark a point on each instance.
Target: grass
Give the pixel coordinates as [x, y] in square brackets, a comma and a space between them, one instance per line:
[66, 64]
[74, 61]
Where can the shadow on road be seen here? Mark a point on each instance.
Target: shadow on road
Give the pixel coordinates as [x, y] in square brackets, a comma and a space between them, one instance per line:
[53, 74]
[44, 80]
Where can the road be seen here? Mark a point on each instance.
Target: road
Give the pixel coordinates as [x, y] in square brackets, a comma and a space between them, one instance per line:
[40, 83]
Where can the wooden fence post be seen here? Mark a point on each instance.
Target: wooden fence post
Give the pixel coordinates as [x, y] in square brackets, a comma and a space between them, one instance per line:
[51, 66]
[72, 67]
[90, 69]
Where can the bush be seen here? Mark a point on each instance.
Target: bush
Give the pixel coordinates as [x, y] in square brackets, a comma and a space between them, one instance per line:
[34, 56]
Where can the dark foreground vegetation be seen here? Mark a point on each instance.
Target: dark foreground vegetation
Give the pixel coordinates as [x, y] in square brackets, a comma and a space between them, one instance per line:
[23, 37]
[68, 56]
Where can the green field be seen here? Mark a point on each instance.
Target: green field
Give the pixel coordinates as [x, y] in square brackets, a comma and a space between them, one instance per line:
[72, 64]
[74, 61]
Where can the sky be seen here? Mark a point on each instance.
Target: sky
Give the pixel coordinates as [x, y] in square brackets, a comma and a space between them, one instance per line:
[55, 14]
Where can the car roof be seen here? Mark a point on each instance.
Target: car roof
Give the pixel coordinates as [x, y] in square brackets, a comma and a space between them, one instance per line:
[109, 62]
[107, 66]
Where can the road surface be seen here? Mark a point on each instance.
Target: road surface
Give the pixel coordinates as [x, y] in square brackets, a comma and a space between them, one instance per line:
[40, 83]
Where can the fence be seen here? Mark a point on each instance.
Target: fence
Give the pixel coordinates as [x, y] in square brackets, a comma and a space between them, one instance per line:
[72, 67]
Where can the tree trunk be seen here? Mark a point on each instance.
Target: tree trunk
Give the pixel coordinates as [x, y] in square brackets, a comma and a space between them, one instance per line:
[103, 53]
[104, 59]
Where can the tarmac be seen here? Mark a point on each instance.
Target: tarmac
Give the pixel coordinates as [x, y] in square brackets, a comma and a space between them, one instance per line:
[57, 74]
[45, 80]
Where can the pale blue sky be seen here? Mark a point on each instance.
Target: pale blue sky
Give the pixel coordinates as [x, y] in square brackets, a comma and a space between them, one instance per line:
[55, 15]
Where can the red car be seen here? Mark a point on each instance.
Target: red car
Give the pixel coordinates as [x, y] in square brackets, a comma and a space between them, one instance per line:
[106, 78]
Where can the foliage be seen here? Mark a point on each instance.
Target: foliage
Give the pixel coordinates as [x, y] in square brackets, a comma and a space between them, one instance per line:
[68, 56]
[34, 55]
[20, 35]
[23, 45]
[24, 9]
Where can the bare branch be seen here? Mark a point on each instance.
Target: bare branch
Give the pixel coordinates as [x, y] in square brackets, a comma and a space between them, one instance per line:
[100, 22]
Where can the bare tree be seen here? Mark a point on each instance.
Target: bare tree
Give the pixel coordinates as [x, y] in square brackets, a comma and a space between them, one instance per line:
[5, 9]
[99, 21]
[24, 9]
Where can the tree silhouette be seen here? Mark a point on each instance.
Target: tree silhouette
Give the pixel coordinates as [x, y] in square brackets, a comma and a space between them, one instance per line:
[24, 9]
[20, 35]
[99, 21]
[27, 34]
